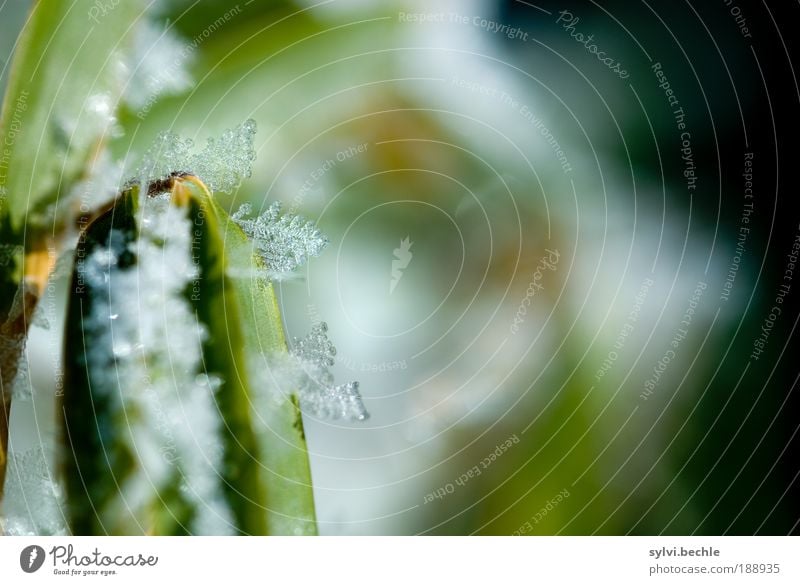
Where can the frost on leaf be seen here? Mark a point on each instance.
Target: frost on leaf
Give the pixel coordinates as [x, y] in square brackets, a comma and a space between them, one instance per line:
[158, 65]
[100, 185]
[21, 386]
[146, 358]
[13, 342]
[319, 396]
[221, 165]
[284, 241]
[33, 503]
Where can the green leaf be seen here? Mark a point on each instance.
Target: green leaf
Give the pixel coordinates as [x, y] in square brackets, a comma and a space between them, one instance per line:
[265, 476]
[65, 68]
[252, 308]
[95, 459]
[223, 351]
[65, 62]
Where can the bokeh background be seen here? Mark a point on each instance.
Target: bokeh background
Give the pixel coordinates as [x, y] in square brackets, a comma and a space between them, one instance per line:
[560, 353]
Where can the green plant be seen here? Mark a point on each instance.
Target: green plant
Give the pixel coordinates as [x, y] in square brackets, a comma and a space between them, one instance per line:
[181, 406]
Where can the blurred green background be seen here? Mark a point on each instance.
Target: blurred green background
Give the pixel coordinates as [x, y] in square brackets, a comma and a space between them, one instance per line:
[490, 154]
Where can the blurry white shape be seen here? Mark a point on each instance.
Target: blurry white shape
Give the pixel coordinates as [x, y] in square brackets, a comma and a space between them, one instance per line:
[101, 183]
[100, 104]
[402, 259]
[158, 64]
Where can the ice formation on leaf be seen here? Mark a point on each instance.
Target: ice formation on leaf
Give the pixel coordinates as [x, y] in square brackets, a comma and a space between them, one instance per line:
[158, 66]
[21, 388]
[319, 396]
[14, 342]
[101, 184]
[284, 241]
[33, 503]
[146, 352]
[221, 165]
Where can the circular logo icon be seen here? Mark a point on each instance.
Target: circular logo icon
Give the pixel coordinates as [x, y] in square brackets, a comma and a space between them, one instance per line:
[31, 558]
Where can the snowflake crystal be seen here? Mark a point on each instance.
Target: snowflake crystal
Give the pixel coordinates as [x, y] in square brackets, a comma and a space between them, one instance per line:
[283, 241]
[222, 164]
[318, 395]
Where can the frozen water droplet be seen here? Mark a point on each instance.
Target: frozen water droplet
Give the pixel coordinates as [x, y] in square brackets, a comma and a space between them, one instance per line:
[21, 386]
[283, 241]
[222, 164]
[315, 347]
[318, 394]
[206, 381]
[41, 320]
[244, 210]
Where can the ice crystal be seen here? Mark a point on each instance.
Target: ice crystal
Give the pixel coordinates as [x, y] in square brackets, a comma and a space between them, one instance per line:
[146, 354]
[319, 396]
[21, 386]
[23, 295]
[41, 319]
[13, 342]
[221, 165]
[33, 503]
[284, 241]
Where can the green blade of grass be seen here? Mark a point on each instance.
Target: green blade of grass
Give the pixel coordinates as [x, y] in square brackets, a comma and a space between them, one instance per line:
[94, 458]
[254, 321]
[265, 477]
[67, 55]
[102, 454]
[63, 60]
